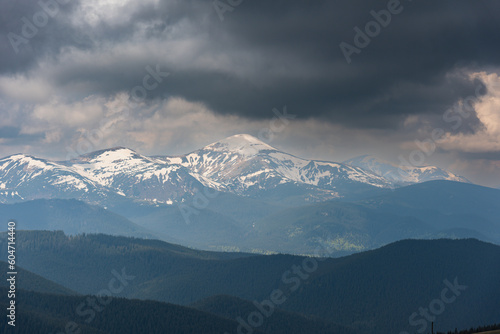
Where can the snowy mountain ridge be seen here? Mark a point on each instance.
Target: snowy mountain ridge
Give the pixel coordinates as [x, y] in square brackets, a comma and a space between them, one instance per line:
[240, 164]
[403, 175]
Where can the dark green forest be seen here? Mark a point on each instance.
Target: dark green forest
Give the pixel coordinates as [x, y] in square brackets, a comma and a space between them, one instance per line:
[54, 314]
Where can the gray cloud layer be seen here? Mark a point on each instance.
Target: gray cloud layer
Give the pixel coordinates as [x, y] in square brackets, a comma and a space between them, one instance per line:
[278, 51]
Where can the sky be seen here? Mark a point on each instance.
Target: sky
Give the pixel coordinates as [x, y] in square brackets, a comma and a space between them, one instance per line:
[407, 81]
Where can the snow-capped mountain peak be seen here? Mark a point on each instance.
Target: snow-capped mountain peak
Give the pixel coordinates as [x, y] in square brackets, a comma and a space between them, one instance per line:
[403, 174]
[111, 156]
[247, 166]
[26, 177]
[242, 144]
[27, 160]
[130, 174]
[102, 166]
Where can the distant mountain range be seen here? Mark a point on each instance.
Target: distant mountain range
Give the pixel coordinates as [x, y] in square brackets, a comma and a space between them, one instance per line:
[241, 165]
[240, 194]
[403, 174]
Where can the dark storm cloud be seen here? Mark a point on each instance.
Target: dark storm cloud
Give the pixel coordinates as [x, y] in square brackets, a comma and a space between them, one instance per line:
[407, 69]
[493, 156]
[415, 65]
[44, 40]
[11, 135]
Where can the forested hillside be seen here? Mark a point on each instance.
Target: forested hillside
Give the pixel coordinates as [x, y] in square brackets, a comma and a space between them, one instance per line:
[374, 292]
